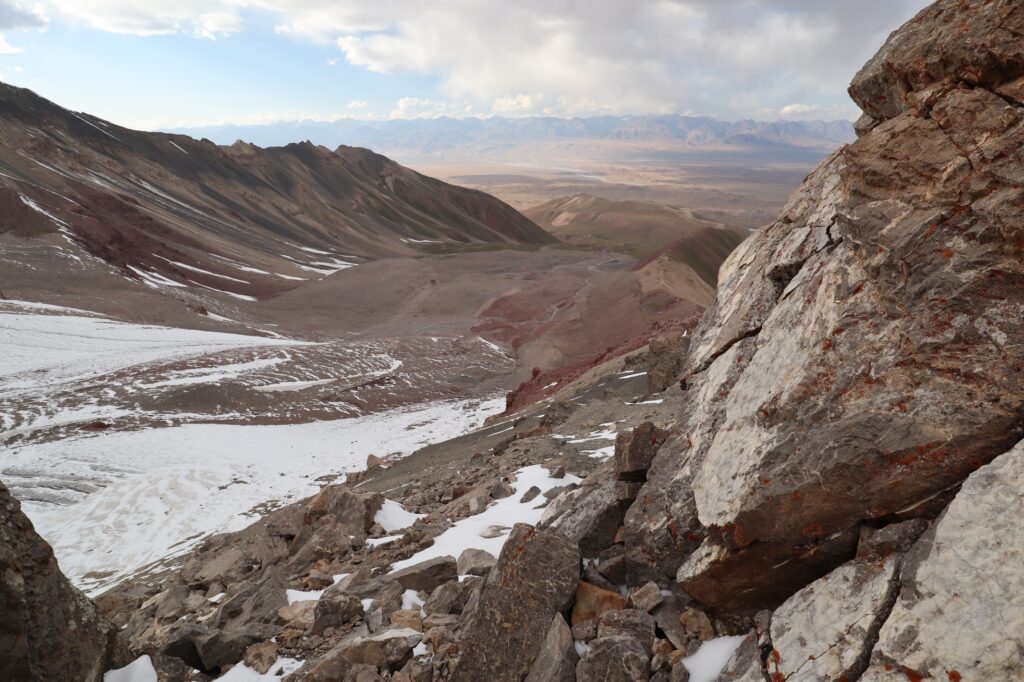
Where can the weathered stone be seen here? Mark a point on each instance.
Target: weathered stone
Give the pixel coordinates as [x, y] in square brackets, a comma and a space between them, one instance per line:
[825, 631]
[447, 598]
[335, 608]
[841, 332]
[646, 597]
[255, 602]
[745, 664]
[427, 575]
[475, 562]
[534, 579]
[743, 581]
[635, 450]
[590, 515]
[948, 42]
[48, 629]
[629, 623]
[667, 617]
[665, 360]
[391, 647]
[965, 576]
[530, 494]
[556, 660]
[226, 646]
[592, 601]
[618, 658]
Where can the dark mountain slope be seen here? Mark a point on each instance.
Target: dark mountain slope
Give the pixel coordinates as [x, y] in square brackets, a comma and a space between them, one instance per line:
[240, 219]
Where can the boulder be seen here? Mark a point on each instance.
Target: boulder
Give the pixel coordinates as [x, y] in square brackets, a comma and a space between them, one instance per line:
[665, 360]
[535, 578]
[826, 630]
[965, 575]
[590, 515]
[49, 630]
[860, 356]
[743, 581]
[256, 601]
[745, 664]
[223, 647]
[335, 608]
[390, 647]
[629, 623]
[427, 575]
[635, 450]
[447, 598]
[646, 597]
[617, 658]
[556, 660]
[475, 562]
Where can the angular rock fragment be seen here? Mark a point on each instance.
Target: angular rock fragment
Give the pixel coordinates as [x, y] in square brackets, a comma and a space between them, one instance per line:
[535, 578]
[475, 562]
[556, 660]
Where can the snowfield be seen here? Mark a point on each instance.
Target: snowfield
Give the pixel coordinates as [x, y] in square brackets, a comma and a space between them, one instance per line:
[111, 500]
[141, 496]
[40, 350]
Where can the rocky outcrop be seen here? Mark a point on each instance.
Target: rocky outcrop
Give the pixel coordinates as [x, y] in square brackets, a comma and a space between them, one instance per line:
[48, 629]
[861, 356]
[964, 576]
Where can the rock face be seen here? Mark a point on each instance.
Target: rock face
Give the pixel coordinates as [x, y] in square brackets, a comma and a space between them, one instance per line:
[48, 629]
[862, 355]
[965, 576]
[535, 578]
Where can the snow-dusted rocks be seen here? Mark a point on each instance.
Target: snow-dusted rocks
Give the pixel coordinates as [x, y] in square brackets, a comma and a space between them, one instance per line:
[49, 629]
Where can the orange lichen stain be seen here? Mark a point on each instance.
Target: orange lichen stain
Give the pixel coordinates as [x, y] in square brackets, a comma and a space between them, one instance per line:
[953, 676]
[912, 676]
[778, 677]
[776, 656]
[827, 346]
[795, 497]
[765, 481]
[947, 253]
[813, 530]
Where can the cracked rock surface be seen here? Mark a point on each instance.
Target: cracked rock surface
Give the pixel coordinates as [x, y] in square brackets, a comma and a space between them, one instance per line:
[860, 357]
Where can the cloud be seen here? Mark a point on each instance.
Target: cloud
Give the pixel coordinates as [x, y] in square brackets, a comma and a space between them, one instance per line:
[563, 57]
[413, 107]
[358, 104]
[199, 19]
[17, 15]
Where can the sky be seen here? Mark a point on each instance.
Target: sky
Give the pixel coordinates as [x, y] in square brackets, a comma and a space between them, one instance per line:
[161, 64]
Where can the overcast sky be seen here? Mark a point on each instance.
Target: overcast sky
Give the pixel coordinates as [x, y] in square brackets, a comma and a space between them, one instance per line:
[172, 63]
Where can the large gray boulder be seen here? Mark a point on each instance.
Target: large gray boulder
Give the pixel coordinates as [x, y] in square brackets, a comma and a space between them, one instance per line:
[48, 629]
[863, 354]
[961, 603]
[534, 579]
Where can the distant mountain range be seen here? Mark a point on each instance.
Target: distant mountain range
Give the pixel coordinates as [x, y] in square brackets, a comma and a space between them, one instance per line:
[485, 137]
[173, 211]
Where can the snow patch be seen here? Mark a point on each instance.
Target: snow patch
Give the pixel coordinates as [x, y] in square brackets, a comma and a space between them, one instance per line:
[706, 665]
[502, 514]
